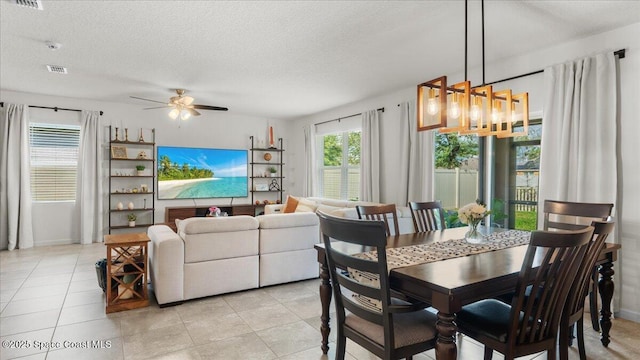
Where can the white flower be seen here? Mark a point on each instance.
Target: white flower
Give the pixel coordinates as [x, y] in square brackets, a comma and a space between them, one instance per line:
[472, 213]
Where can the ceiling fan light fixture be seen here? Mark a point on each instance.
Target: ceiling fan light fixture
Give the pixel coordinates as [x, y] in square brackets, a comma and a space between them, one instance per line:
[173, 114]
[185, 114]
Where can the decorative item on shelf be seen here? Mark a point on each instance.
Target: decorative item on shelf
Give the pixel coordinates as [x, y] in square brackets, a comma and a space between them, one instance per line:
[132, 219]
[214, 211]
[130, 205]
[134, 190]
[144, 188]
[272, 141]
[119, 206]
[142, 155]
[475, 110]
[265, 202]
[257, 202]
[267, 156]
[118, 152]
[472, 214]
[272, 171]
[140, 169]
[126, 134]
[141, 138]
[262, 187]
[145, 204]
[117, 138]
[274, 186]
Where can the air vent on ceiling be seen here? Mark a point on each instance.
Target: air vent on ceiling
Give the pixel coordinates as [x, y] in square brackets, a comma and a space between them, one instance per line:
[57, 69]
[31, 4]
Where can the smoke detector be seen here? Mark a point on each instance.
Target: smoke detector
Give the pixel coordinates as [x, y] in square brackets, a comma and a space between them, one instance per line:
[53, 46]
[57, 69]
[31, 4]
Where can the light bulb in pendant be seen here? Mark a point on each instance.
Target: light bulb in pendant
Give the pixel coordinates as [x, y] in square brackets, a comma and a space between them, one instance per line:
[454, 109]
[185, 114]
[495, 113]
[475, 112]
[432, 104]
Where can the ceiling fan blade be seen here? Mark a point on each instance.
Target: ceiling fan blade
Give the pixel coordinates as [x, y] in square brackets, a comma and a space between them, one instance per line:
[193, 112]
[157, 107]
[207, 107]
[155, 101]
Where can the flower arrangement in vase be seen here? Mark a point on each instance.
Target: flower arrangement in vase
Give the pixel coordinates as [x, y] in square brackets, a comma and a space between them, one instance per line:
[472, 214]
[214, 211]
[272, 170]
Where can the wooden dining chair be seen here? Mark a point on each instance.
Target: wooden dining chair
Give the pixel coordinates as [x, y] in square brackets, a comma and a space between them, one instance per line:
[384, 212]
[574, 307]
[566, 215]
[530, 324]
[427, 216]
[392, 329]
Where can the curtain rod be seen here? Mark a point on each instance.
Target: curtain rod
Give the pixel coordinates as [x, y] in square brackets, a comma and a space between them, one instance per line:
[620, 53]
[52, 108]
[344, 117]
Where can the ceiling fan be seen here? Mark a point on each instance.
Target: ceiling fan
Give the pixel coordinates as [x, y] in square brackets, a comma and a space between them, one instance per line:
[182, 105]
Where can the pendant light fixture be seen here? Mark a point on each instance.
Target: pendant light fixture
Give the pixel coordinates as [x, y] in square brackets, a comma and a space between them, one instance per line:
[471, 110]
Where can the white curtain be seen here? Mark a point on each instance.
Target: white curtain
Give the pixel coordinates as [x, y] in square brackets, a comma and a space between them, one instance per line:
[16, 226]
[417, 158]
[370, 157]
[89, 199]
[578, 145]
[309, 156]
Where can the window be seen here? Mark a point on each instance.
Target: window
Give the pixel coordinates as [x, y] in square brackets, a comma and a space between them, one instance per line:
[339, 165]
[54, 161]
[457, 177]
[517, 166]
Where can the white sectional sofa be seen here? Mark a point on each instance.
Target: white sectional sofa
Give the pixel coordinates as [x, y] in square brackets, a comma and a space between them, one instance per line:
[216, 255]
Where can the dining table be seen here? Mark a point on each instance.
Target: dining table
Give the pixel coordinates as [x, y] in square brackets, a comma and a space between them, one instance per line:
[451, 283]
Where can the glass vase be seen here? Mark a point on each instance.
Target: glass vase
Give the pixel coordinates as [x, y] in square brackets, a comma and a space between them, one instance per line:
[475, 234]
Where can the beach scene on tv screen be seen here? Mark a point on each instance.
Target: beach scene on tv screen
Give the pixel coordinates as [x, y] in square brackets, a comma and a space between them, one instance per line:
[188, 173]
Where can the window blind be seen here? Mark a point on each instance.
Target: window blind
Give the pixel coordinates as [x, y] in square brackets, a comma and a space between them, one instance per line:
[54, 161]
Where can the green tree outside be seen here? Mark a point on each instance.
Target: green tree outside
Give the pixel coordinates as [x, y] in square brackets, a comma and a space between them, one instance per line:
[452, 150]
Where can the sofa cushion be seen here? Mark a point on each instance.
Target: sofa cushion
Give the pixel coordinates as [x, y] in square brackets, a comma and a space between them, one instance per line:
[276, 221]
[330, 202]
[201, 225]
[218, 238]
[305, 205]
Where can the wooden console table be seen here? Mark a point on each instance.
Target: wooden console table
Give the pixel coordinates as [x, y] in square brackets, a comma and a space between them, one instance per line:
[183, 212]
[127, 261]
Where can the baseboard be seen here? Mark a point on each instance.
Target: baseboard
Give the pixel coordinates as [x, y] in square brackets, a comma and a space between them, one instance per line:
[628, 315]
[54, 242]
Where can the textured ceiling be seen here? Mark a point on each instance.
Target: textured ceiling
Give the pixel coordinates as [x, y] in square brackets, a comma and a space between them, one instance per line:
[272, 59]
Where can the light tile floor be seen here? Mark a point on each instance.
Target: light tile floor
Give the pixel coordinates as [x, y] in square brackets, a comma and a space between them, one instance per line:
[49, 297]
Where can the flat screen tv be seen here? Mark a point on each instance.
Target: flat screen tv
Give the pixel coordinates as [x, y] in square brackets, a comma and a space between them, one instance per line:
[197, 173]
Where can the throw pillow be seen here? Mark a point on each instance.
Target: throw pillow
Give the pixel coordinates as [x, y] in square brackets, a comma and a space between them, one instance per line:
[305, 205]
[290, 205]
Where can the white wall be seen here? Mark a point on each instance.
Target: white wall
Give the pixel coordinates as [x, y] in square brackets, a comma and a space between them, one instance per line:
[627, 268]
[54, 223]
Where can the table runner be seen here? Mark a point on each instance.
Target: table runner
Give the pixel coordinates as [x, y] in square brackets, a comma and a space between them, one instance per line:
[449, 249]
[426, 253]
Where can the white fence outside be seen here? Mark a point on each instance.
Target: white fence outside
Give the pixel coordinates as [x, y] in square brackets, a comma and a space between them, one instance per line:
[455, 188]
